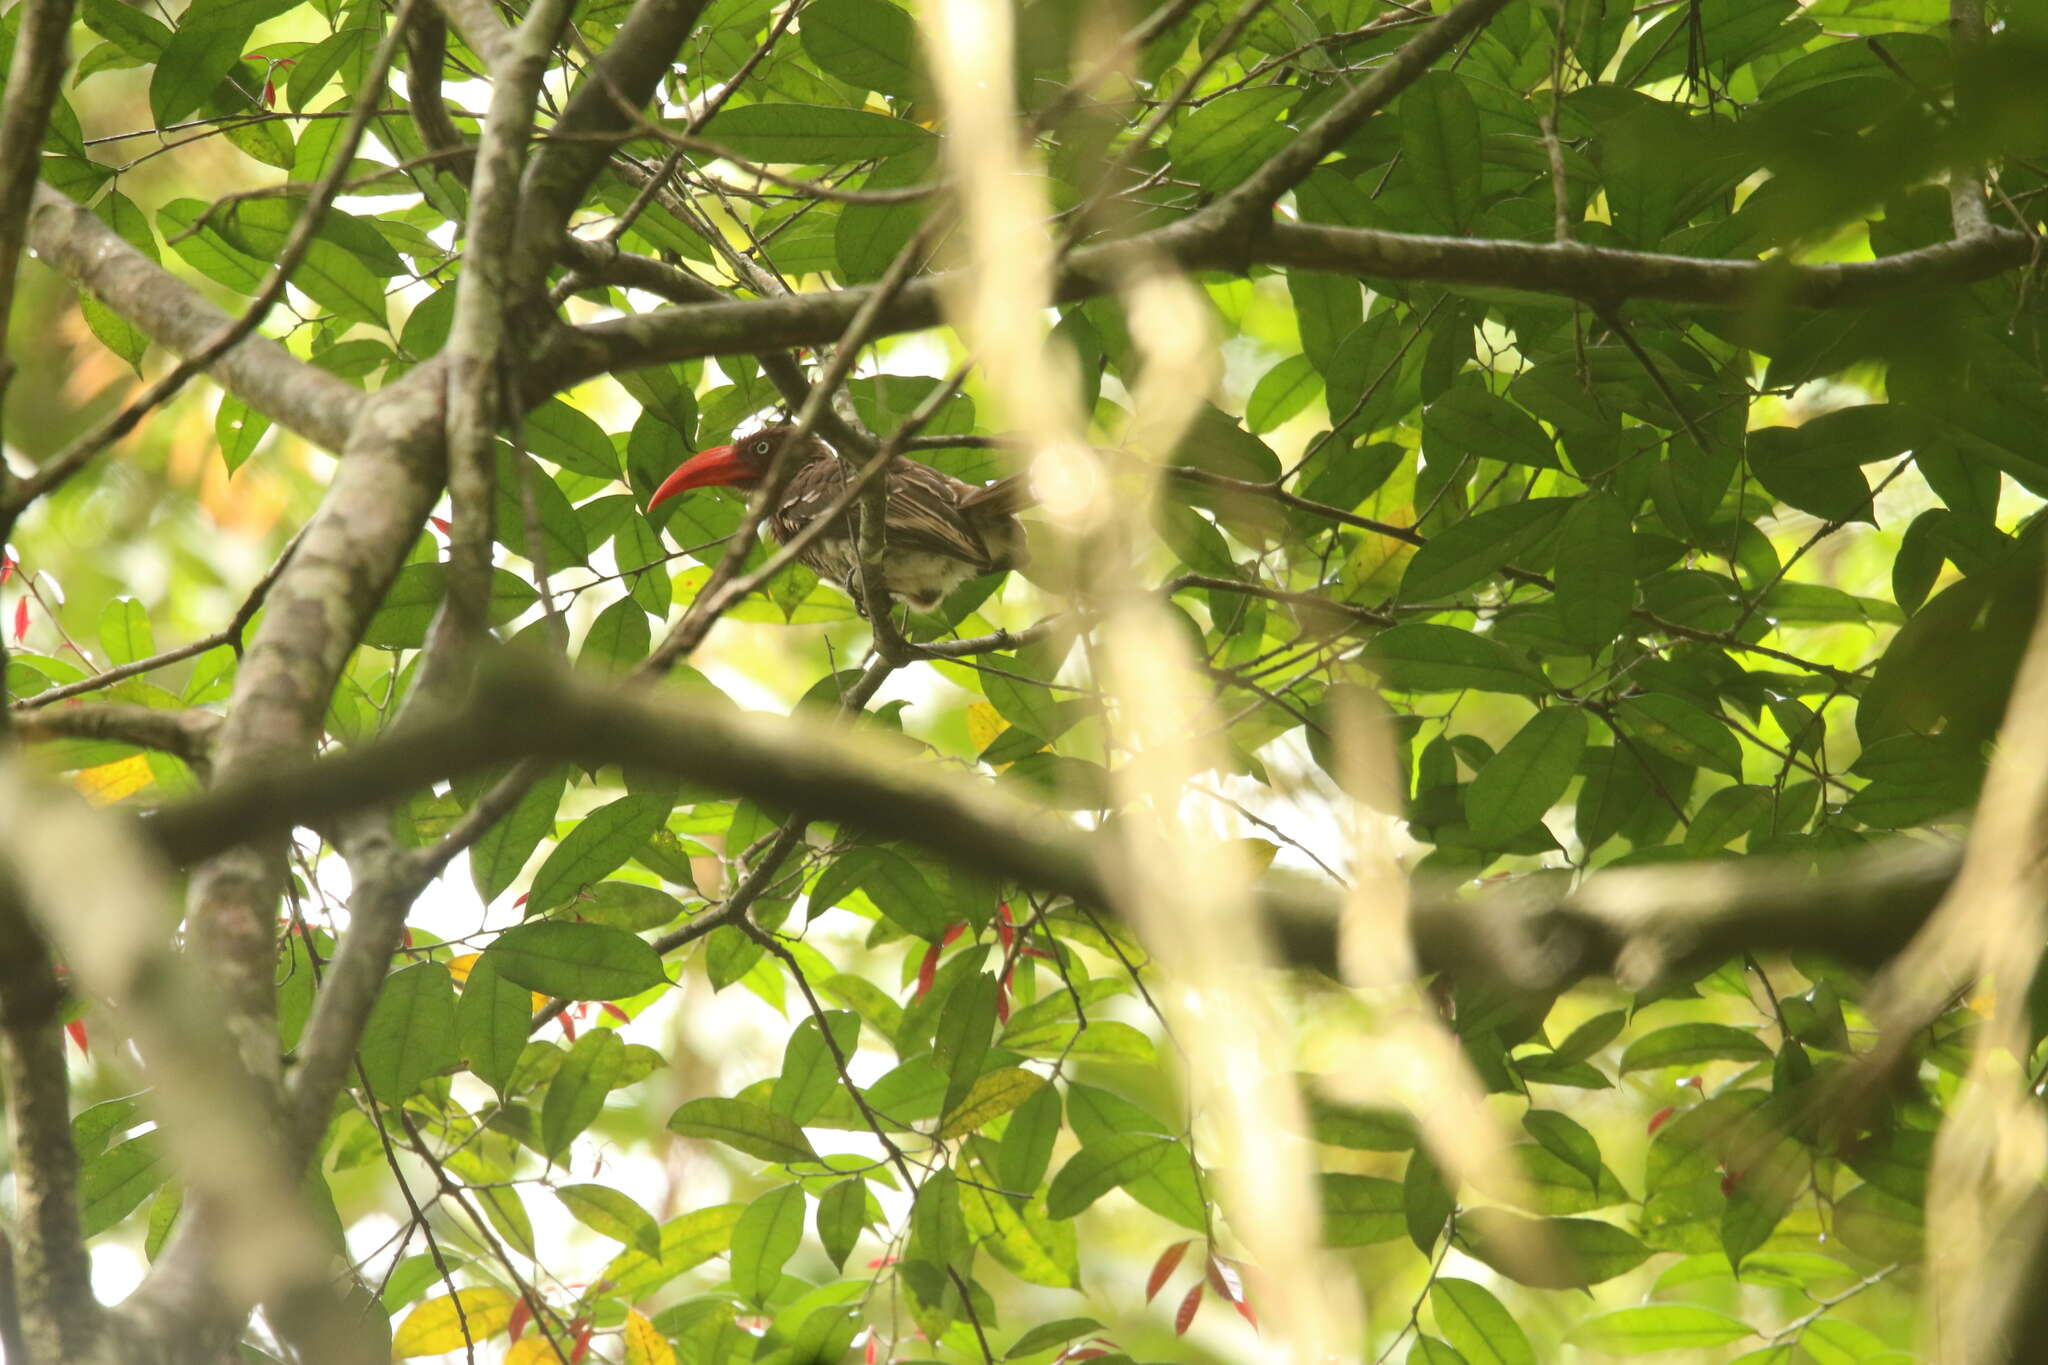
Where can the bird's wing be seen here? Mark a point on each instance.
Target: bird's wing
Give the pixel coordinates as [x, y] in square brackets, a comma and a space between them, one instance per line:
[1001, 498]
[925, 514]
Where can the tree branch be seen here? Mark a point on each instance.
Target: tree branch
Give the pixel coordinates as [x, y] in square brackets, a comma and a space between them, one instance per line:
[599, 115]
[1258, 193]
[572, 355]
[302, 398]
[1636, 924]
[185, 733]
[34, 75]
[58, 1317]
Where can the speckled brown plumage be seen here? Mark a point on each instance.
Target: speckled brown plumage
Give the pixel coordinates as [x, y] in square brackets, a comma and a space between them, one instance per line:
[940, 531]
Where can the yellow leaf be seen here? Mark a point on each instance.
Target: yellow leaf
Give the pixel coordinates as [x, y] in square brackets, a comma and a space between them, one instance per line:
[1258, 852]
[533, 1349]
[460, 967]
[983, 725]
[110, 782]
[436, 1326]
[645, 1345]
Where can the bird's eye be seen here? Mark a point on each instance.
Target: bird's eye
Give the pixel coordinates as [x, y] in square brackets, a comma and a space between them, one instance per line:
[760, 447]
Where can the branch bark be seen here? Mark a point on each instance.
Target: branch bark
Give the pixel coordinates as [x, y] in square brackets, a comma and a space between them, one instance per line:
[1634, 924]
[302, 398]
[575, 354]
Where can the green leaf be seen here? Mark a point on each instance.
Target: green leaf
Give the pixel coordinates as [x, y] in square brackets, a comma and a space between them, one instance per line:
[1441, 148]
[686, 1243]
[867, 237]
[491, 1022]
[239, 430]
[965, 1026]
[1476, 1325]
[411, 1031]
[842, 1215]
[1470, 422]
[598, 846]
[810, 1073]
[1596, 570]
[113, 1184]
[1550, 1253]
[611, 1213]
[1567, 1140]
[1359, 1210]
[869, 44]
[808, 135]
[1047, 1335]
[1226, 139]
[124, 631]
[1470, 550]
[1281, 393]
[1658, 1327]
[1100, 1167]
[577, 1094]
[1678, 729]
[203, 51]
[747, 1127]
[993, 1094]
[401, 623]
[134, 32]
[575, 961]
[1520, 784]
[1421, 657]
[894, 884]
[1688, 1044]
[764, 1239]
[570, 438]
[496, 859]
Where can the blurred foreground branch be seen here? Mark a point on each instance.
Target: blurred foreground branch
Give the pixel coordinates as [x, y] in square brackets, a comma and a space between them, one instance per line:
[1636, 924]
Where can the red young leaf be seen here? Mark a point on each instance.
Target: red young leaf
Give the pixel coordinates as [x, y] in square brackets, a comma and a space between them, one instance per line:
[1163, 1268]
[582, 1343]
[406, 937]
[6, 569]
[521, 1316]
[1003, 911]
[568, 1025]
[615, 1012]
[270, 94]
[76, 1028]
[1219, 1282]
[927, 971]
[440, 524]
[1185, 1315]
[1089, 1354]
[1661, 1117]
[1003, 1002]
[1005, 934]
[873, 1352]
[21, 620]
[954, 932]
[1244, 1310]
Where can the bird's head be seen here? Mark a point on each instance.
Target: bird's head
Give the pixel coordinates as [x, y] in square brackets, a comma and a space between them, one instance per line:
[740, 465]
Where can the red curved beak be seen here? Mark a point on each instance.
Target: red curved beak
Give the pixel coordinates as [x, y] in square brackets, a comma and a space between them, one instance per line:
[718, 465]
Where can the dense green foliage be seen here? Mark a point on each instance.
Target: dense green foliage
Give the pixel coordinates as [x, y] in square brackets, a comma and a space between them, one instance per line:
[1642, 582]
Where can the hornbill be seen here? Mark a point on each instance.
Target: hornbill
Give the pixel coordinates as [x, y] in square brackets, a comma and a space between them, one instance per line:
[940, 531]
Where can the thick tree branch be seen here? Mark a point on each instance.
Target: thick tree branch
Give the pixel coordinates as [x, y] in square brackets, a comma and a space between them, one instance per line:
[57, 1315]
[187, 734]
[573, 355]
[1636, 923]
[34, 74]
[600, 114]
[302, 398]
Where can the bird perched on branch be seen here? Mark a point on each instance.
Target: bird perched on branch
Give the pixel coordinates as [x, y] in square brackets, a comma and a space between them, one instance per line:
[940, 531]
